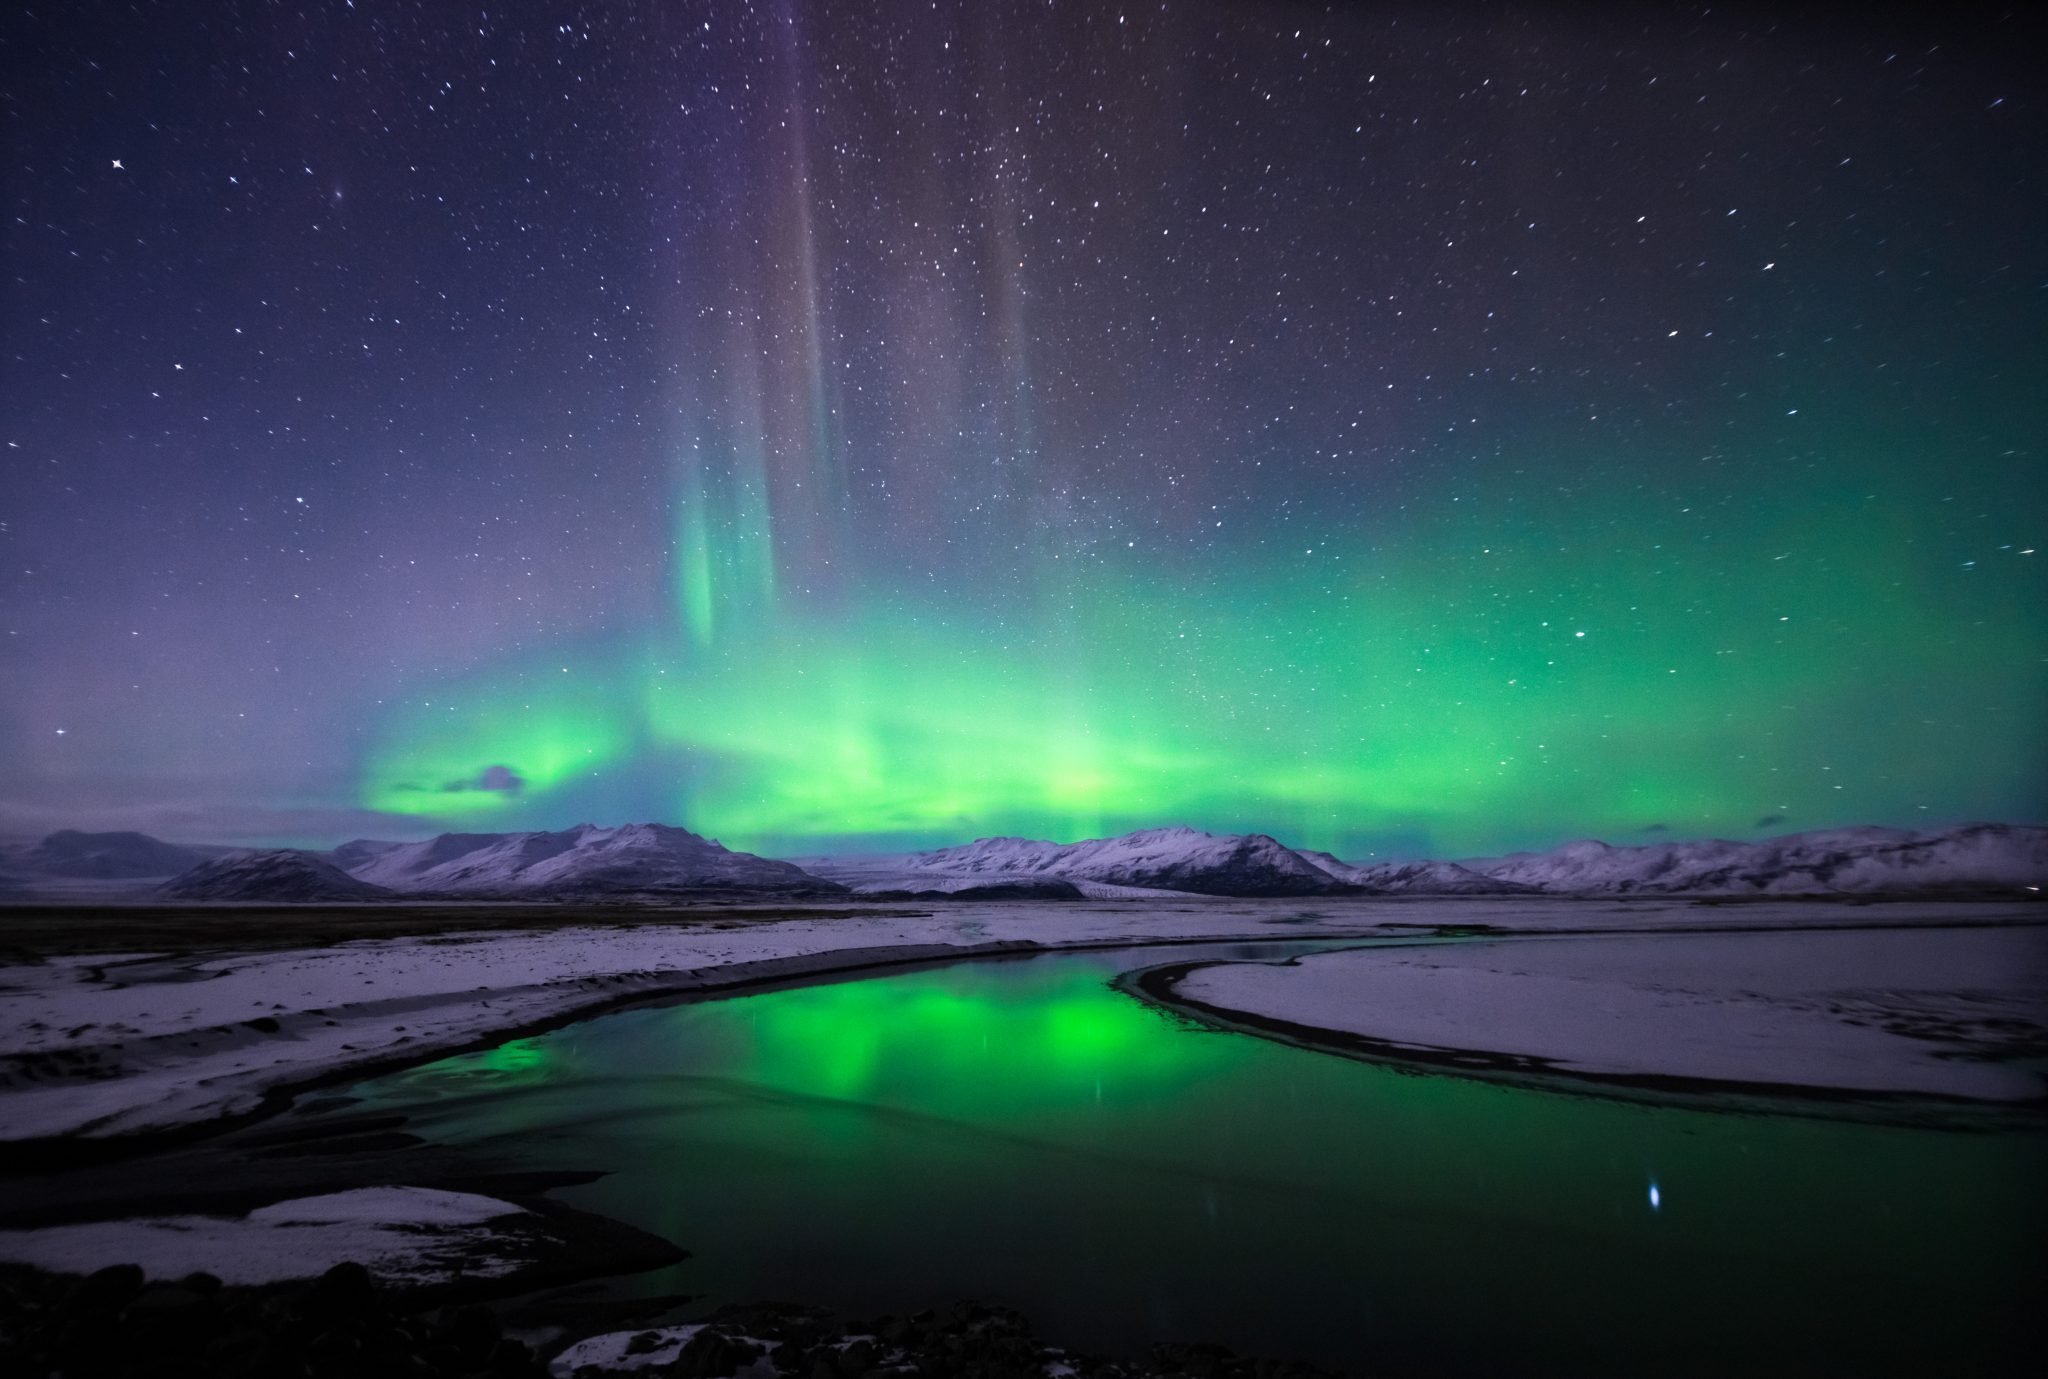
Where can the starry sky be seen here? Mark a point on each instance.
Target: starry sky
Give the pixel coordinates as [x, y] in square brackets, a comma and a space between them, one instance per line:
[1406, 430]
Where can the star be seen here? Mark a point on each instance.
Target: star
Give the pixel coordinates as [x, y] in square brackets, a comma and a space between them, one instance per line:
[118, 167]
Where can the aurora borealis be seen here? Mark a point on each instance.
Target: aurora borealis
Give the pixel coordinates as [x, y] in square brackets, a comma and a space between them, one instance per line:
[1412, 430]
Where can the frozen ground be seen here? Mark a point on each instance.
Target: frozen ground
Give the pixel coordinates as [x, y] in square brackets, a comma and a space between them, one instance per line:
[104, 1045]
[403, 1234]
[659, 1346]
[1955, 1013]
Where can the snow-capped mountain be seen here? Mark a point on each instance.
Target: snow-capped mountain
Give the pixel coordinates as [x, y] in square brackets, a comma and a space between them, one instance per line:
[1416, 878]
[1975, 857]
[584, 860]
[110, 856]
[936, 886]
[1175, 859]
[277, 874]
[657, 860]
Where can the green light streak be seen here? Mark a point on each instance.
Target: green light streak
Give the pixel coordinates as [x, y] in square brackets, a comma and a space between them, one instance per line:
[1506, 673]
[547, 732]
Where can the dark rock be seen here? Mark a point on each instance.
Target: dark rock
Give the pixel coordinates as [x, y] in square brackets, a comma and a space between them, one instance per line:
[510, 1357]
[711, 1354]
[114, 1286]
[345, 1287]
[344, 1325]
[473, 1331]
[166, 1298]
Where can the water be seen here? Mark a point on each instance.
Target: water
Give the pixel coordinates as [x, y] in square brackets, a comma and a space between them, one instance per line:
[1017, 1132]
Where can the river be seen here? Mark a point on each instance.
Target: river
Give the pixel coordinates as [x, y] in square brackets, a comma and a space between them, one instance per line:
[1017, 1132]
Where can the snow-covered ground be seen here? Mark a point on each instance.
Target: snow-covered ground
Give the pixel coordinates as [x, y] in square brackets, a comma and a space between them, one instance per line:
[1956, 1012]
[106, 1046]
[401, 1234]
[659, 1347]
[119, 1045]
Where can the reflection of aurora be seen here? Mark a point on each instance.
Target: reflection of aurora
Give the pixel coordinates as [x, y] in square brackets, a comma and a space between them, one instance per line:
[1018, 1129]
[854, 1040]
[1003, 1047]
[1459, 699]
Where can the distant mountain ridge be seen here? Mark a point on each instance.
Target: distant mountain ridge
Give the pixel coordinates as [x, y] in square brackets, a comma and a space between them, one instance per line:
[1417, 878]
[111, 856]
[1174, 859]
[583, 861]
[1857, 861]
[278, 874]
[1972, 859]
[656, 860]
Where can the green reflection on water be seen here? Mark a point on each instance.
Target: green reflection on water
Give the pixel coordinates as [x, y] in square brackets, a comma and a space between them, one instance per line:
[1021, 1133]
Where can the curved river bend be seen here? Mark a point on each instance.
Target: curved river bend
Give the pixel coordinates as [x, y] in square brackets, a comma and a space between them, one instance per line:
[1017, 1132]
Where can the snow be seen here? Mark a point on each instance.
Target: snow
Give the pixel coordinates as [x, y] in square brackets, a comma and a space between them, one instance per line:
[1170, 858]
[869, 874]
[409, 1234]
[613, 1350]
[280, 874]
[112, 1046]
[656, 859]
[1418, 878]
[630, 857]
[1902, 1011]
[417, 1206]
[1975, 856]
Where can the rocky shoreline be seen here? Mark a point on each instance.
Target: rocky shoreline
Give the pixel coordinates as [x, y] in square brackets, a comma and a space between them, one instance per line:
[117, 1324]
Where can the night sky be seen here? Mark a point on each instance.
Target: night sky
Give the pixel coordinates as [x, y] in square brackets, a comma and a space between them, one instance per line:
[1424, 430]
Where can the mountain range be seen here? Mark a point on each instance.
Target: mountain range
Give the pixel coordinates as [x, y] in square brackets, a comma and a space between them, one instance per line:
[1173, 859]
[110, 856]
[654, 861]
[1972, 859]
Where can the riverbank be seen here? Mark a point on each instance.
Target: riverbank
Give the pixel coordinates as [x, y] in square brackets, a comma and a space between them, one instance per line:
[209, 1025]
[1910, 1023]
[861, 1143]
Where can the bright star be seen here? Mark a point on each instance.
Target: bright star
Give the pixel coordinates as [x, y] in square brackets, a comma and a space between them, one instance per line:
[118, 167]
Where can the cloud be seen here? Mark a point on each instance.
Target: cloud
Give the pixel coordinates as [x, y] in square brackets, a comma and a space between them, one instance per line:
[1656, 828]
[1770, 821]
[498, 780]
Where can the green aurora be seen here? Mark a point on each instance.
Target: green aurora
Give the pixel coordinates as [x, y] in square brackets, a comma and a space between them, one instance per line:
[1406, 431]
[1480, 669]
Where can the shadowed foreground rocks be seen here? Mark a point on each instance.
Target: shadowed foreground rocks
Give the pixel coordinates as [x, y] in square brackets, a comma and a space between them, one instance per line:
[964, 1341]
[344, 1325]
[112, 1324]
